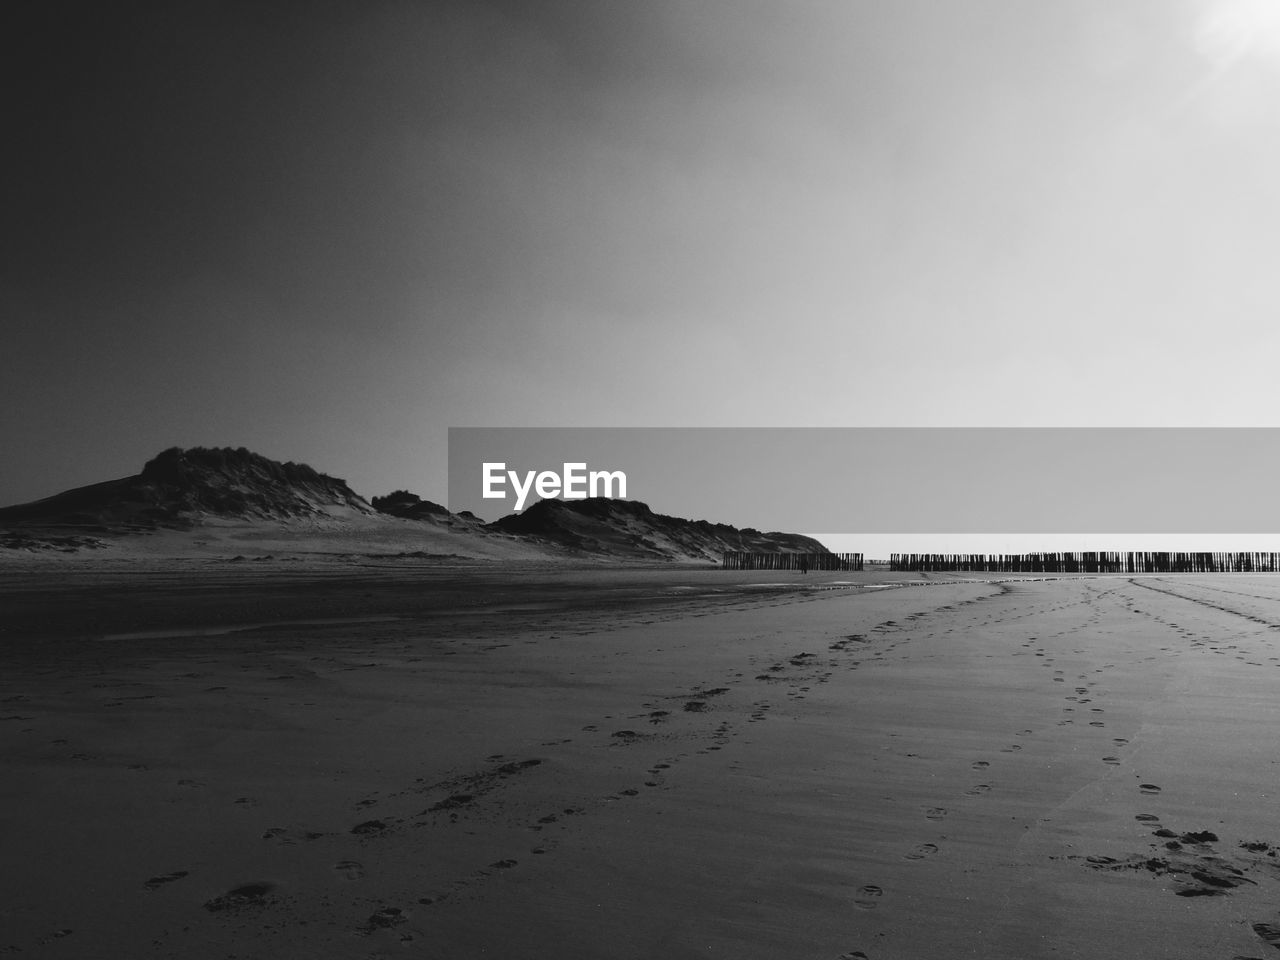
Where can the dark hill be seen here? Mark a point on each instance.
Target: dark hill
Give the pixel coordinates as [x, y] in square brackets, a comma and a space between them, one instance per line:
[402, 503]
[628, 529]
[180, 486]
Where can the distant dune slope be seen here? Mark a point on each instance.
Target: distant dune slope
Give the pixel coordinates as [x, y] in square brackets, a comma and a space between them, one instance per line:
[179, 486]
[402, 503]
[630, 529]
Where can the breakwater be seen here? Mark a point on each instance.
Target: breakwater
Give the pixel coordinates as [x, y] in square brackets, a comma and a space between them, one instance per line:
[746, 560]
[1096, 562]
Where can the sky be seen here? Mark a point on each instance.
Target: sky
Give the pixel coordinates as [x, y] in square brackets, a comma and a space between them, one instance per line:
[330, 231]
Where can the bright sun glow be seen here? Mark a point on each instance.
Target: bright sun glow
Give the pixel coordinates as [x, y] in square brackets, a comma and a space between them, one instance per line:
[1231, 30]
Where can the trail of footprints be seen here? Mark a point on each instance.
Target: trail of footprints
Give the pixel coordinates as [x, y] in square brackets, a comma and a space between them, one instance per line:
[868, 897]
[1190, 859]
[1258, 621]
[799, 671]
[1080, 696]
[480, 795]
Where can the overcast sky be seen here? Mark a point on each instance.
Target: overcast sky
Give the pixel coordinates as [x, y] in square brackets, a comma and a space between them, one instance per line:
[329, 231]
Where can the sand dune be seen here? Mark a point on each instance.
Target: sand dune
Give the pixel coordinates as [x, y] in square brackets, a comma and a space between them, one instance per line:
[232, 503]
[626, 764]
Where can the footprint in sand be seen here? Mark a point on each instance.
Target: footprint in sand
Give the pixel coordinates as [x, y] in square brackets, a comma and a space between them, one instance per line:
[384, 919]
[1269, 933]
[936, 813]
[250, 894]
[1111, 760]
[922, 852]
[1148, 788]
[853, 955]
[349, 869]
[980, 764]
[159, 881]
[867, 897]
[1119, 741]
[978, 790]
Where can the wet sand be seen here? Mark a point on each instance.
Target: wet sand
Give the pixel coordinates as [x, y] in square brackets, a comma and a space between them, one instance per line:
[417, 761]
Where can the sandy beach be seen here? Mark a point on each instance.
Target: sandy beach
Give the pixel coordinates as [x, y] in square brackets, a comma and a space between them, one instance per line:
[409, 760]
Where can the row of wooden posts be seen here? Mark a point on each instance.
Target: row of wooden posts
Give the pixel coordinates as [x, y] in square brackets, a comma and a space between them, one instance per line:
[1088, 562]
[1100, 562]
[746, 560]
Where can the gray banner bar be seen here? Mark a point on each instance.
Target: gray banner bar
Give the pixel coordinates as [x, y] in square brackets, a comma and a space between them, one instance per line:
[899, 480]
